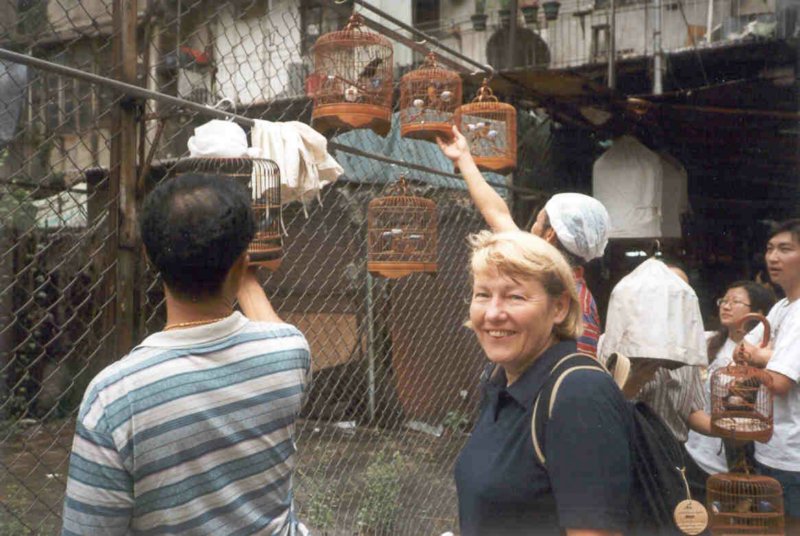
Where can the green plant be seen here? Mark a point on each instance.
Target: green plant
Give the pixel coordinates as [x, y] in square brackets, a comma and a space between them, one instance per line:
[321, 510]
[480, 6]
[456, 421]
[378, 511]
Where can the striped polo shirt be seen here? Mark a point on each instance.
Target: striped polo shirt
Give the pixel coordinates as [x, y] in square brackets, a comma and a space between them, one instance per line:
[191, 433]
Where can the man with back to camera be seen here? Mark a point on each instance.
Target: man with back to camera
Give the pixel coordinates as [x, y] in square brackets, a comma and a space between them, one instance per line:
[576, 224]
[192, 431]
[780, 457]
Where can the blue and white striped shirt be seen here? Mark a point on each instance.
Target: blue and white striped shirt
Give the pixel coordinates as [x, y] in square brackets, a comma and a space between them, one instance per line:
[191, 433]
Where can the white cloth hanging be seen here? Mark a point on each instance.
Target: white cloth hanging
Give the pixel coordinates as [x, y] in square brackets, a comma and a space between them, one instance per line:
[654, 314]
[218, 139]
[645, 192]
[301, 154]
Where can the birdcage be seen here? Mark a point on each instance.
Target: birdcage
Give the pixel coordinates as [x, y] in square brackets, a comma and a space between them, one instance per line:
[352, 80]
[741, 398]
[490, 127]
[401, 234]
[742, 503]
[261, 177]
[429, 97]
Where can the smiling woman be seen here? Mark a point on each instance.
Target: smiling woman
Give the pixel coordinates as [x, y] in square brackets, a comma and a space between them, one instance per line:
[526, 315]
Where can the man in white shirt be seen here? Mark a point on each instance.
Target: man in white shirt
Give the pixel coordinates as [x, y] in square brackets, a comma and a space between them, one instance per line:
[780, 457]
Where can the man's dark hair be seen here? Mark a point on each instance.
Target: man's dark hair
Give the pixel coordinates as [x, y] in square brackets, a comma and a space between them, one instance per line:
[194, 227]
[787, 226]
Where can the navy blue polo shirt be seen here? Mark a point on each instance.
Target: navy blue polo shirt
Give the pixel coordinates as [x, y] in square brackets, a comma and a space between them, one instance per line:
[502, 488]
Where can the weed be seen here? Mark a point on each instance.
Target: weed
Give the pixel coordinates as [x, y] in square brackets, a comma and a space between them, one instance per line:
[377, 513]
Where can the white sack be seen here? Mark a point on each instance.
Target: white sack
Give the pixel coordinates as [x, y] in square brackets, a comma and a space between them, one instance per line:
[654, 314]
[644, 193]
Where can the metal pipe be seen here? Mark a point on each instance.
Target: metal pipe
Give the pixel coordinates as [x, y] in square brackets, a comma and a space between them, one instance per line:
[144, 93]
[612, 46]
[370, 350]
[483, 67]
[658, 87]
[512, 35]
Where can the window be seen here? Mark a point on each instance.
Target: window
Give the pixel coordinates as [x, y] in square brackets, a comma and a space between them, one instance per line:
[318, 17]
[425, 14]
[529, 50]
[600, 42]
[61, 103]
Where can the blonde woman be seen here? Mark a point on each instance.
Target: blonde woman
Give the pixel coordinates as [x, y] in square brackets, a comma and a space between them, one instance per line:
[526, 316]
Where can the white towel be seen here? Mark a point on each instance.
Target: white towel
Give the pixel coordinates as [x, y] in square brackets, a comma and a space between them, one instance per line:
[218, 139]
[301, 154]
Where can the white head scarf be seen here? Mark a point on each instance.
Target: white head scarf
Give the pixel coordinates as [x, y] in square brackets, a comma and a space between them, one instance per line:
[581, 224]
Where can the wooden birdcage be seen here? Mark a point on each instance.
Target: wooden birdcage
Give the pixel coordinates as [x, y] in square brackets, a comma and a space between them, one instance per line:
[352, 80]
[401, 234]
[741, 398]
[741, 503]
[429, 97]
[261, 177]
[490, 127]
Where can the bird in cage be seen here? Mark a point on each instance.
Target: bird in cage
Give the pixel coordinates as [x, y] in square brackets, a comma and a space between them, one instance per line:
[484, 131]
[742, 394]
[370, 70]
[433, 97]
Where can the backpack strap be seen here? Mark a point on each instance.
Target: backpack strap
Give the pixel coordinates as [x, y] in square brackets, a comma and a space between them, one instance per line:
[550, 391]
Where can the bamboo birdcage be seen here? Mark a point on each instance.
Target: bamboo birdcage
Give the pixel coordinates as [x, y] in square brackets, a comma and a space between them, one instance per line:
[741, 398]
[490, 127]
[401, 234]
[261, 177]
[352, 80]
[429, 97]
[741, 503]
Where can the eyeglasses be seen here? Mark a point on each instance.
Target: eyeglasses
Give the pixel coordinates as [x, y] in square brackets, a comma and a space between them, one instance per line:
[723, 301]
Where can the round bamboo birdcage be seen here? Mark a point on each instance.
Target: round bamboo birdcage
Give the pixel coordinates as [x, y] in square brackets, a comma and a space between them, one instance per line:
[401, 234]
[429, 97]
[741, 398]
[741, 503]
[261, 177]
[490, 127]
[352, 80]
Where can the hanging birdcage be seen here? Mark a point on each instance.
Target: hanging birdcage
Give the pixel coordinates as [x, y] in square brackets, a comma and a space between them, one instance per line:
[490, 127]
[741, 503]
[352, 80]
[261, 177]
[401, 234]
[741, 398]
[429, 97]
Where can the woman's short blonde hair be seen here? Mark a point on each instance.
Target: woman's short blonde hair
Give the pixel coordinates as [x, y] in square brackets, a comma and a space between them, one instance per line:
[521, 255]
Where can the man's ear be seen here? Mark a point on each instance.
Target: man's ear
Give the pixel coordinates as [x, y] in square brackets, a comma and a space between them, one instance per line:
[550, 236]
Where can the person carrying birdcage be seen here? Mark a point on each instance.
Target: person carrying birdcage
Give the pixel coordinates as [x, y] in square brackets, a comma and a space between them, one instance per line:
[191, 432]
[779, 458]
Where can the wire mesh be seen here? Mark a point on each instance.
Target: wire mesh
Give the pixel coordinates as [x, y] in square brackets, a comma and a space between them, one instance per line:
[395, 372]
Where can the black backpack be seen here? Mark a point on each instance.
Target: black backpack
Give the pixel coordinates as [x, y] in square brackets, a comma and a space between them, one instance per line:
[657, 485]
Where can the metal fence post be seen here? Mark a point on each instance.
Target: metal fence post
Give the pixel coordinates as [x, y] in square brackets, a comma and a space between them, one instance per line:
[123, 175]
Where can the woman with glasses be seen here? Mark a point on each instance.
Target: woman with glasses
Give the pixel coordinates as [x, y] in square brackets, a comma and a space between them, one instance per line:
[741, 298]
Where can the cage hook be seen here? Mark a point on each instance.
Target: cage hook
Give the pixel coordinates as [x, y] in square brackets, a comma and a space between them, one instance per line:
[222, 101]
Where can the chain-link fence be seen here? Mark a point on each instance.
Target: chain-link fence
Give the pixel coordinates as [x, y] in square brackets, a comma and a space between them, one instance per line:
[395, 371]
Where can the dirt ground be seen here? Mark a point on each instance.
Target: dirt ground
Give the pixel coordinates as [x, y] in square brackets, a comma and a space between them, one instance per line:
[400, 481]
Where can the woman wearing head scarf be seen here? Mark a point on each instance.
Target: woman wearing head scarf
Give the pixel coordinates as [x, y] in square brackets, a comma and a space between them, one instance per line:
[526, 316]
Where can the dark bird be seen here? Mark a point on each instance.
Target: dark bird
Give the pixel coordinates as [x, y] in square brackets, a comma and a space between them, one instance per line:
[371, 69]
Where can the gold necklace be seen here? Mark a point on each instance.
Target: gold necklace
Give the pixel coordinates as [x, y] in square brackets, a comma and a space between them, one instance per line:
[193, 323]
